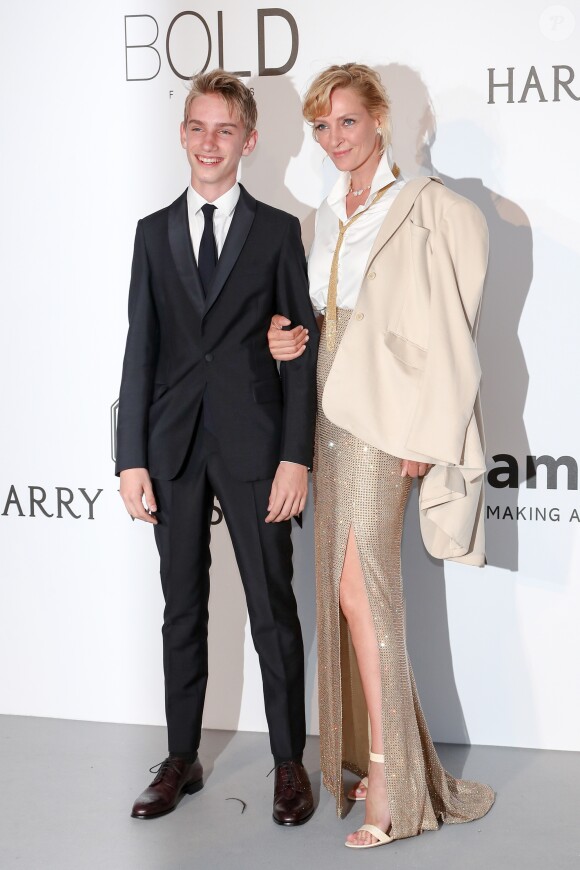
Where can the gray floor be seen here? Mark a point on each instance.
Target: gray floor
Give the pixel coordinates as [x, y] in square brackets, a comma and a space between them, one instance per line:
[67, 789]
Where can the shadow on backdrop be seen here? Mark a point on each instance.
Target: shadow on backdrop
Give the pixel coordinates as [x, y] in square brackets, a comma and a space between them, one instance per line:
[280, 138]
[503, 398]
[505, 375]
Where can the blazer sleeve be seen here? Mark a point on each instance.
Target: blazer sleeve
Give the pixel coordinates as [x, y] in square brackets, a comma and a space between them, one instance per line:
[299, 375]
[452, 373]
[139, 364]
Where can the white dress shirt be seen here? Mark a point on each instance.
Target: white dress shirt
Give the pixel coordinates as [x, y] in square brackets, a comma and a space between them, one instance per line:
[358, 239]
[222, 216]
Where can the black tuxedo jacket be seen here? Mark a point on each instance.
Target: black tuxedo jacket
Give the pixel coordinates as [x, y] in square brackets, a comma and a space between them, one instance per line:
[184, 349]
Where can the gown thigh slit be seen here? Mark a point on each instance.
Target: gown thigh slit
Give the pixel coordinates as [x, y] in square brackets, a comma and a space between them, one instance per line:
[357, 485]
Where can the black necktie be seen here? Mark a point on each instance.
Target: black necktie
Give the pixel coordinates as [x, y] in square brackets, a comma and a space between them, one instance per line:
[207, 249]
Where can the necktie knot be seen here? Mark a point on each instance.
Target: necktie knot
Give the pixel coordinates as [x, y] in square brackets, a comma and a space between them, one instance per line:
[208, 209]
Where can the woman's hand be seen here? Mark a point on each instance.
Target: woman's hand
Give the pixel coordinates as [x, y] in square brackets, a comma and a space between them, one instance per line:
[286, 344]
[414, 469]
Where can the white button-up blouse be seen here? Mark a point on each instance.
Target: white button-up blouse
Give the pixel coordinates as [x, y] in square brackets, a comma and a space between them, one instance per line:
[358, 239]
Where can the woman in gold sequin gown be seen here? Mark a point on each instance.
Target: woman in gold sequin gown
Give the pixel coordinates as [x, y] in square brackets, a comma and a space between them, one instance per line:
[367, 694]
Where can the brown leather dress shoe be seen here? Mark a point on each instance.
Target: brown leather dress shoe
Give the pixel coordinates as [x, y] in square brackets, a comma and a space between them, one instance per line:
[293, 802]
[174, 778]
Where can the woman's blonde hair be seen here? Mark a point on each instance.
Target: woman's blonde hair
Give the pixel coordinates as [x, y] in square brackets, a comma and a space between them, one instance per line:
[362, 79]
[239, 98]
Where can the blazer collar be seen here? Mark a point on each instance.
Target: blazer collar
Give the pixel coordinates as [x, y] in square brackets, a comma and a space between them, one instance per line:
[237, 234]
[398, 212]
[182, 250]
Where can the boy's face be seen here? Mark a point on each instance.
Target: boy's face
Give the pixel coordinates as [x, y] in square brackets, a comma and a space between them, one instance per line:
[215, 141]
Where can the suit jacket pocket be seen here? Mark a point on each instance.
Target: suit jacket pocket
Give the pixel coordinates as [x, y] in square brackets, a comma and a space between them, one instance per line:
[420, 231]
[267, 391]
[406, 351]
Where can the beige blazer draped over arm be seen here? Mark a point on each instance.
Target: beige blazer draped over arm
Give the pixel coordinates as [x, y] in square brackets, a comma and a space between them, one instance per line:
[406, 375]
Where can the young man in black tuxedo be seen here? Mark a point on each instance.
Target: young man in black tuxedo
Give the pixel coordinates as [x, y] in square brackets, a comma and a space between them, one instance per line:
[203, 412]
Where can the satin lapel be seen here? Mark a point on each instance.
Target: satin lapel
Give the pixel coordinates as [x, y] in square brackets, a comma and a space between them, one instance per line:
[398, 212]
[182, 250]
[237, 234]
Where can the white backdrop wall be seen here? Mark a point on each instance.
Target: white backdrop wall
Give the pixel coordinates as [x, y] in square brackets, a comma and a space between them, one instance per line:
[87, 149]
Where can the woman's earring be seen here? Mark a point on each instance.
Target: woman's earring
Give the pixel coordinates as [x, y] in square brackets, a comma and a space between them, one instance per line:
[379, 131]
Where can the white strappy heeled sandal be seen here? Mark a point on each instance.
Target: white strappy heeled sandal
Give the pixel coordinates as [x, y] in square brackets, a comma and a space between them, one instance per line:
[381, 837]
[352, 795]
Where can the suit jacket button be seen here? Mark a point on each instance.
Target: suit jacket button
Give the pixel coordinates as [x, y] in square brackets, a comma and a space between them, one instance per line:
[359, 315]
[372, 275]
[209, 357]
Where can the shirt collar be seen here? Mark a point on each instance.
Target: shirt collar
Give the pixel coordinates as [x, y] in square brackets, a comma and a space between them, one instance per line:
[382, 177]
[225, 204]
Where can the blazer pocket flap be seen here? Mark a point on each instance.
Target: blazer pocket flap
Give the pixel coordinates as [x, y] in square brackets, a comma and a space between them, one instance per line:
[267, 391]
[420, 237]
[419, 230]
[406, 351]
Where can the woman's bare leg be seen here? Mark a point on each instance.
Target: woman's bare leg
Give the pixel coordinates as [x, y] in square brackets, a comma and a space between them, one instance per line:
[355, 606]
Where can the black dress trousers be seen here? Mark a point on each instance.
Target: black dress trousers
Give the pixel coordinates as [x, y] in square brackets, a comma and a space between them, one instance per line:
[264, 556]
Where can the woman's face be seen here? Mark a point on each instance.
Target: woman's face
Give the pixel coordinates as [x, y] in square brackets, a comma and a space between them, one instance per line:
[348, 133]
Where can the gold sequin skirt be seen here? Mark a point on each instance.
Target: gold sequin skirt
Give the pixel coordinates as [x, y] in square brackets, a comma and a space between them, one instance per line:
[358, 486]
